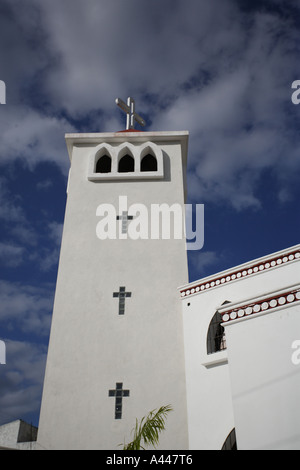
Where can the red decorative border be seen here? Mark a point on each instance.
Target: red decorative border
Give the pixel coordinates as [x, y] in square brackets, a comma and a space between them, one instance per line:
[242, 272]
[263, 305]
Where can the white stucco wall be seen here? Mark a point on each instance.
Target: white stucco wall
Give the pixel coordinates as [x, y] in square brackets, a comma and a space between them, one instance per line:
[265, 381]
[209, 393]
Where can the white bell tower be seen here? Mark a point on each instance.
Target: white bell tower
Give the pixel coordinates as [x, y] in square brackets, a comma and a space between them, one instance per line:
[116, 345]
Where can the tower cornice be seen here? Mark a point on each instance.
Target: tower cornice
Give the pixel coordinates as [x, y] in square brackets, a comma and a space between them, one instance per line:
[120, 137]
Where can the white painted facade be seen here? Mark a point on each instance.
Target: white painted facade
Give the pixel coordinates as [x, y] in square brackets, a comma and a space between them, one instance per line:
[264, 375]
[227, 388]
[157, 348]
[93, 347]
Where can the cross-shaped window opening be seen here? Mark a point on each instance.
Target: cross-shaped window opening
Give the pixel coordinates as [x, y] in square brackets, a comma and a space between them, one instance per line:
[118, 393]
[122, 294]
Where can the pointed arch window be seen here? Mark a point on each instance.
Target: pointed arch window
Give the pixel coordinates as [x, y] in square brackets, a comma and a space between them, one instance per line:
[216, 340]
[230, 441]
[126, 164]
[103, 164]
[149, 163]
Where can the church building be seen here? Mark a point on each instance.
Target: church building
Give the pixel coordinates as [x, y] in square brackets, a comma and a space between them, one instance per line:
[242, 355]
[130, 333]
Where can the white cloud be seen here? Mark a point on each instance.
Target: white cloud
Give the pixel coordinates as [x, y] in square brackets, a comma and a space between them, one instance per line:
[26, 307]
[19, 228]
[11, 255]
[44, 185]
[10, 210]
[200, 261]
[46, 257]
[33, 137]
[203, 66]
[55, 232]
[24, 233]
[127, 47]
[21, 379]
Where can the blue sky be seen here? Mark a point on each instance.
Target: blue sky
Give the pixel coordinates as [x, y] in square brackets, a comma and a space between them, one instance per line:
[221, 69]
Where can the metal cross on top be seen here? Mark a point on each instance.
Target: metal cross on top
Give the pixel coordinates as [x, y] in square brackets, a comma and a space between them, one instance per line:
[129, 109]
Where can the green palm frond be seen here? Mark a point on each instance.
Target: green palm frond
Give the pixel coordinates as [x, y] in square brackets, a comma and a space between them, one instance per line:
[148, 430]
